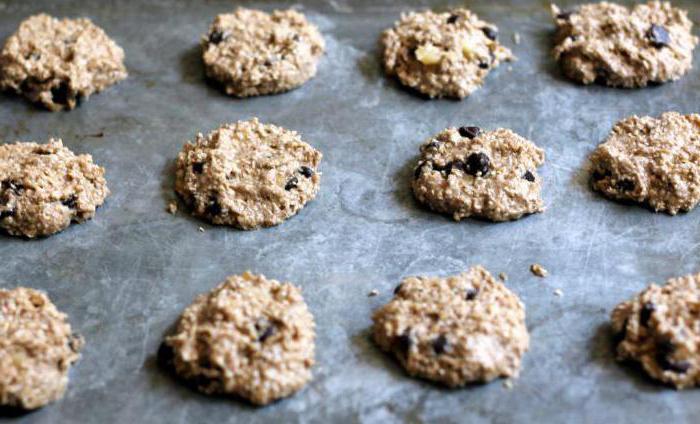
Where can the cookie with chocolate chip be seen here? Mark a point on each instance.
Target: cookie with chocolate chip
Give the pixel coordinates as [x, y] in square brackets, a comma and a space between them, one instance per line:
[466, 172]
[456, 330]
[659, 329]
[58, 63]
[251, 53]
[46, 187]
[247, 175]
[250, 337]
[442, 54]
[37, 349]
[652, 161]
[613, 45]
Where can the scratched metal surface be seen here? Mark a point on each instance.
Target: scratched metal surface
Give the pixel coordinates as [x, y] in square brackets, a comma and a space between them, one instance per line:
[124, 277]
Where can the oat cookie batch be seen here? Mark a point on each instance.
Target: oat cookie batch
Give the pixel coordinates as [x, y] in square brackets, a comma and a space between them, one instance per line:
[253, 337]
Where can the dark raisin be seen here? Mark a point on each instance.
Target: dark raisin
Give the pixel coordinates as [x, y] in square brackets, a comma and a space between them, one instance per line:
[490, 33]
[620, 336]
[216, 36]
[625, 185]
[198, 167]
[16, 187]
[61, 94]
[529, 176]
[7, 213]
[564, 16]
[447, 168]
[483, 65]
[601, 175]
[306, 171]
[296, 37]
[419, 170]
[440, 344]
[665, 350]
[214, 207]
[469, 132]
[645, 314]
[659, 36]
[471, 294]
[404, 342]
[433, 145]
[71, 202]
[292, 183]
[458, 164]
[270, 330]
[452, 19]
[398, 289]
[478, 164]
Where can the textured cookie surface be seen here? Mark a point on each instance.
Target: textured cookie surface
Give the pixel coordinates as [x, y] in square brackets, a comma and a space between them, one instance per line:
[611, 44]
[455, 330]
[37, 348]
[253, 53]
[467, 172]
[247, 175]
[659, 329]
[251, 337]
[59, 63]
[442, 54]
[45, 187]
[654, 161]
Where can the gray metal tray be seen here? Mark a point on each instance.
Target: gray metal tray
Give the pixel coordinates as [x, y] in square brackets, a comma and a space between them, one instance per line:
[124, 277]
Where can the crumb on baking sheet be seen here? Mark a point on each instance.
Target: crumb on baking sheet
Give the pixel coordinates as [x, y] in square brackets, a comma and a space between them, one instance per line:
[201, 229]
[503, 276]
[516, 37]
[373, 293]
[172, 208]
[558, 293]
[538, 270]
[508, 384]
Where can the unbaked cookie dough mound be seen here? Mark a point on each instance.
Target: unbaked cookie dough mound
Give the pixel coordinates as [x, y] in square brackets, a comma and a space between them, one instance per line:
[659, 329]
[252, 53]
[467, 172]
[46, 187]
[456, 330]
[620, 47]
[60, 63]
[442, 54]
[653, 161]
[248, 175]
[250, 336]
[37, 348]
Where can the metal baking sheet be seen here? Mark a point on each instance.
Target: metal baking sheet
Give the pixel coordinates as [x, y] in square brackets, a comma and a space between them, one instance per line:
[124, 277]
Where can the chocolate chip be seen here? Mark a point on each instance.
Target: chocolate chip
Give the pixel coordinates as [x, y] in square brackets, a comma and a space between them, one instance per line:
[645, 314]
[7, 213]
[483, 65]
[216, 36]
[625, 185]
[404, 342]
[659, 36]
[490, 33]
[440, 344]
[529, 176]
[292, 183]
[398, 289]
[214, 207]
[469, 132]
[61, 94]
[471, 294]
[71, 202]
[452, 19]
[306, 171]
[564, 16]
[198, 167]
[478, 164]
